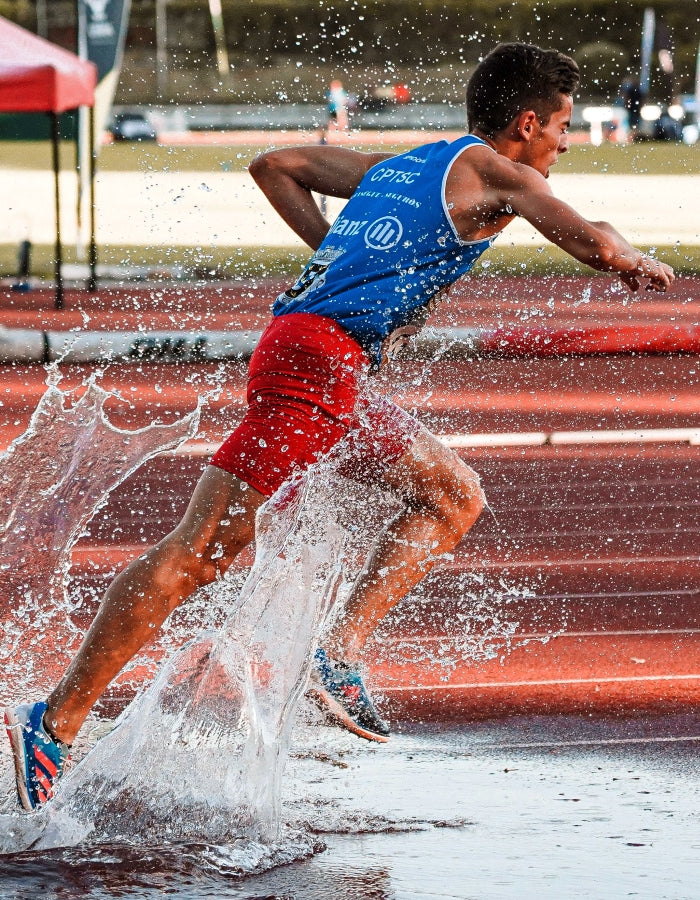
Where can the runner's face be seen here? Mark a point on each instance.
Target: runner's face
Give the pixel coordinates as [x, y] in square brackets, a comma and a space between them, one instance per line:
[551, 139]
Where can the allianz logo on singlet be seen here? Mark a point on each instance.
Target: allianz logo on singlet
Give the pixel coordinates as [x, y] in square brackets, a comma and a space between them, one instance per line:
[384, 233]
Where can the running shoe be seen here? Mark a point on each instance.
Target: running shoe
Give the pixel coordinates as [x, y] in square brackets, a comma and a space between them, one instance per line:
[39, 759]
[339, 689]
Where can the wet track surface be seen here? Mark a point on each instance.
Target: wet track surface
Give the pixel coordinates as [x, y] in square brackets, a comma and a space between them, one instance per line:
[485, 300]
[507, 393]
[530, 807]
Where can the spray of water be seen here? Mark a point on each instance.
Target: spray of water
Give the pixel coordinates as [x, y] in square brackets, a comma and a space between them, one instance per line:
[53, 479]
[198, 757]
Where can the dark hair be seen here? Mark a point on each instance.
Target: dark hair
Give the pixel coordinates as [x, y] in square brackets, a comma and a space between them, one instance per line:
[517, 77]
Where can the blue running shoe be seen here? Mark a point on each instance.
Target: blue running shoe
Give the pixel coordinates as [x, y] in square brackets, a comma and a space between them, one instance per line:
[340, 691]
[39, 759]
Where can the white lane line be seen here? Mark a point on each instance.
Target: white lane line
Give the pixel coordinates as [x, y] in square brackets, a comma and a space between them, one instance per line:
[536, 438]
[500, 439]
[550, 635]
[501, 685]
[521, 439]
[194, 448]
[593, 742]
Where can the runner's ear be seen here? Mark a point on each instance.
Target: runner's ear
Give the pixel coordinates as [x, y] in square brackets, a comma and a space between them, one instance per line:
[526, 123]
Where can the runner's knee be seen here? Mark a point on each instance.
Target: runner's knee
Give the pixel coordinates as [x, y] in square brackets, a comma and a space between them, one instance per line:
[459, 499]
[466, 502]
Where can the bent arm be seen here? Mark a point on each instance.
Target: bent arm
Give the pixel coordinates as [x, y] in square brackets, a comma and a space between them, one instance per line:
[597, 244]
[288, 177]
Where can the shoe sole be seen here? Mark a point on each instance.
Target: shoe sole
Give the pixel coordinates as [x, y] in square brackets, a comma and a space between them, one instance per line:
[331, 706]
[19, 757]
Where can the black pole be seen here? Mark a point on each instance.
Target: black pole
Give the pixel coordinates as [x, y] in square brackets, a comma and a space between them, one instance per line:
[23, 265]
[55, 138]
[79, 192]
[92, 283]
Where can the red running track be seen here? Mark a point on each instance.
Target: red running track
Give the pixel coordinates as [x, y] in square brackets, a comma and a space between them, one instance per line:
[593, 553]
[597, 545]
[486, 301]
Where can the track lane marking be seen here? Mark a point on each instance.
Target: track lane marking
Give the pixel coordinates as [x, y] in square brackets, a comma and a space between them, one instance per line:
[572, 634]
[556, 682]
[593, 742]
[689, 436]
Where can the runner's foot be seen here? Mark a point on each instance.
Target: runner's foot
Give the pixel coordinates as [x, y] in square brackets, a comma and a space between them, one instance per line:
[340, 691]
[39, 759]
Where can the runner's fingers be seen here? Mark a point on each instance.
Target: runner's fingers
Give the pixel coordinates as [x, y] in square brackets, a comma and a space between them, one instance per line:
[657, 271]
[659, 274]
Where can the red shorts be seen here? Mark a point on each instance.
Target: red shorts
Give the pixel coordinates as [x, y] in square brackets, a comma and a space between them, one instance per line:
[307, 390]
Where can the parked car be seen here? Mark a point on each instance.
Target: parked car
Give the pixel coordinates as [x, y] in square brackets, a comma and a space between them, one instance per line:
[132, 126]
[381, 96]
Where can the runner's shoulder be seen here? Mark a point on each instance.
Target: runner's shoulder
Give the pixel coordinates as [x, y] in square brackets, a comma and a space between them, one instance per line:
[494, 171]
[506, 173]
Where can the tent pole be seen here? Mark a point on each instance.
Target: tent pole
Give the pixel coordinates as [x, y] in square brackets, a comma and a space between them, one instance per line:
[79, 175]
[92, 283]
[55, 137]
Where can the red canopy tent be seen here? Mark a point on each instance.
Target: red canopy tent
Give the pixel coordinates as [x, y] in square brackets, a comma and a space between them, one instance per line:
[38, 76]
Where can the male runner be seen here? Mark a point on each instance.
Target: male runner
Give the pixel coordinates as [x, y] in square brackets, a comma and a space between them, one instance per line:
[414, 224]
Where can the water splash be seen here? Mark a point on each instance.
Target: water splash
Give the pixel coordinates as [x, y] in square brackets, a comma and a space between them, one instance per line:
[482, 629]
[585, 297]
[53, 479]
[198, 757]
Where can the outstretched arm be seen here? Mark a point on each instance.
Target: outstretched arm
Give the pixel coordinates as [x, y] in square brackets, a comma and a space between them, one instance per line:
[596, 244]
[288, 177]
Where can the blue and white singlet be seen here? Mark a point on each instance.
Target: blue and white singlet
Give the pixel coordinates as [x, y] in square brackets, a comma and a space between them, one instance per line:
[390, 251]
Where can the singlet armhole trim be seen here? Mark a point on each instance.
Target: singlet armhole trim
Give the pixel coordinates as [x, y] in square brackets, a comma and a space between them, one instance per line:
[475, 142]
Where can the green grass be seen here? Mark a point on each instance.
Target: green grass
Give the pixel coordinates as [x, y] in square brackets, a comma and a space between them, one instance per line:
[550, 260]
[647, 158]
[194, 263]
[128, 157]
[272, 262]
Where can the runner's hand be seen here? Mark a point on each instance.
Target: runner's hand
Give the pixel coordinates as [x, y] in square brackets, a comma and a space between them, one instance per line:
[660, 276]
